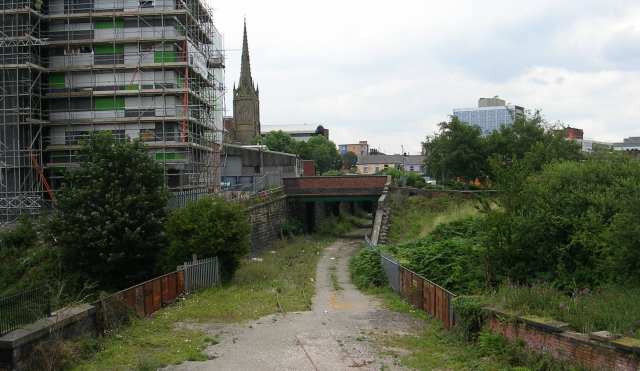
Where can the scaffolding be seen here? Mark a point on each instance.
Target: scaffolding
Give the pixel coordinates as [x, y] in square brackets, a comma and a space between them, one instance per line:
[21, 113]
[151, 70]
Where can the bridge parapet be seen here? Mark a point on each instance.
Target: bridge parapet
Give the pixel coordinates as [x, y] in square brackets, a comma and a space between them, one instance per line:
[350, 185]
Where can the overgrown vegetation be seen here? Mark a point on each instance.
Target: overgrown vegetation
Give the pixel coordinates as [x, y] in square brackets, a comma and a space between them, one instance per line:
[434, 348]
[366, 269]
[208, 227]
[612, 308]
[335, 226]
[282, 281]
[415, 217]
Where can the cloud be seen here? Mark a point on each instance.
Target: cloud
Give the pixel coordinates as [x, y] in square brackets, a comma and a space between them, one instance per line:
[389, 72]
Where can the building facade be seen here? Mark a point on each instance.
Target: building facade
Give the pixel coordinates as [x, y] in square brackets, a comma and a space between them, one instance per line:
[490, 115]
[360, 149]
[151, 70]
[631, 144]
[373, 164]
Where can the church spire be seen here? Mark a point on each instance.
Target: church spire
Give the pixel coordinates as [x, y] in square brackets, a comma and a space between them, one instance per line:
[246, 81]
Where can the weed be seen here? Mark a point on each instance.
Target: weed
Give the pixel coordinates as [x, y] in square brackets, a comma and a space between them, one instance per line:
[334, 278]
[283, 279]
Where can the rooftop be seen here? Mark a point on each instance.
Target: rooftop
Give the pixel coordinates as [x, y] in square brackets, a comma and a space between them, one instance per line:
[391, 159]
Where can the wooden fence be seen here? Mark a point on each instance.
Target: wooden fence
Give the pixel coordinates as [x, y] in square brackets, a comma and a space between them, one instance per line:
[420, 292]
[148, 297]
[428, 296]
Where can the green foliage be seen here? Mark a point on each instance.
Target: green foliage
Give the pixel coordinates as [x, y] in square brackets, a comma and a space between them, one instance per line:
[403, 178]
[366, 269]
[322, 151]
[332, 173]
[452, 256]
[606, 308]
[208, 227]
[416, 216]
[457, 151]
[109, 215]
[573, 223]
[279, 141]
[334, 226]
[470, 316]
[281, 281]
[349, 160]
[292, 227]
[318, 148]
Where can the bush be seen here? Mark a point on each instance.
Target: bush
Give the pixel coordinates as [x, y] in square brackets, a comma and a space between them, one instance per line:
[208, 227]
[452, 256]
[292, 227]
[109, 215]
[573, 224]
[334, 226]
[469, 316]
[366, 269]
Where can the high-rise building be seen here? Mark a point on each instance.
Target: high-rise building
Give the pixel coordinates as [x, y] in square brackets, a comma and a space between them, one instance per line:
[490, 115]
[151, 70]
[244, 126]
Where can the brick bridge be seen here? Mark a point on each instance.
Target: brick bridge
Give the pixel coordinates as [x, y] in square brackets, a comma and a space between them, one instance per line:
[347, 188]
[312, 199]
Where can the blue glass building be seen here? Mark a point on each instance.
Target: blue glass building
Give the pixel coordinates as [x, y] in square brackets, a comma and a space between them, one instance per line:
[490, 115]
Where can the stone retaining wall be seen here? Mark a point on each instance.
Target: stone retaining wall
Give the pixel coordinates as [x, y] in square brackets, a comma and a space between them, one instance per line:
[266, 221]
[551, 337]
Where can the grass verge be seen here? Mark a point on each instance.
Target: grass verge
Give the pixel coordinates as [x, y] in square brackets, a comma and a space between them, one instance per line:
[438, 349]
[415, 217]
[282, 281]
[611, 308]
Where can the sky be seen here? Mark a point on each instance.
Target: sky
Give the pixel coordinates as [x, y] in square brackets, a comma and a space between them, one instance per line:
[389, 71]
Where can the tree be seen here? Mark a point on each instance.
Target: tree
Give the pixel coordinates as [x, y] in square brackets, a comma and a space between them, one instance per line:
[349, 160]
[573, 223]
[279, 141]
[318, 148]
[208, 227]
[457, 151]
[323, 151]
[110, 212]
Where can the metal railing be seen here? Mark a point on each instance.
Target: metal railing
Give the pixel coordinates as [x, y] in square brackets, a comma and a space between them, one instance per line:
[417, 290]
[200, 274]
[24, 308]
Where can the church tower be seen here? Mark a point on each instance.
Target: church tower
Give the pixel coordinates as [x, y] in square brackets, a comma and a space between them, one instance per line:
[246, 101]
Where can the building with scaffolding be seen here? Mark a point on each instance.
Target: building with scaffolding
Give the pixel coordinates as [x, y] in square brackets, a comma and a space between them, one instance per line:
[151, 70]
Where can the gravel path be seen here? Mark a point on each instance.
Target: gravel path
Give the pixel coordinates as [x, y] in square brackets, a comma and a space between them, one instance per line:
[336, 335]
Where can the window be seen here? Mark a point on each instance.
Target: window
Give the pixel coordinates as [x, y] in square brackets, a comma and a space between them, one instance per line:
[146, 3]
[365, 169]
[78, 50]
[377, 168]
[146, 48]
[386, 166]
[411, 167]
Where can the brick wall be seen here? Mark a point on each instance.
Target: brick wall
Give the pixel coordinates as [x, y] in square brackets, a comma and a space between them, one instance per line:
[567, 345]
[266, 220]
[364, 185]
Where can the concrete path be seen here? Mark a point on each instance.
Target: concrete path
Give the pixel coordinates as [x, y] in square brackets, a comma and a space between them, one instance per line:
[336, 335]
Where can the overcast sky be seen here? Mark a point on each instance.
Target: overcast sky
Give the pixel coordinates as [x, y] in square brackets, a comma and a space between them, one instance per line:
[389, 71]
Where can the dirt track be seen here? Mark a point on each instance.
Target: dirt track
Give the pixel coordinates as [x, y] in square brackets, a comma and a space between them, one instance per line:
[335, 335]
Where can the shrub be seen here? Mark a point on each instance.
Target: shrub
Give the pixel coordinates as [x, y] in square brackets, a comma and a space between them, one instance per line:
[469, 316]
[334, 226]
[292, 227]
[366, 269]
[109, 215]
[452, 256]
[208, 227]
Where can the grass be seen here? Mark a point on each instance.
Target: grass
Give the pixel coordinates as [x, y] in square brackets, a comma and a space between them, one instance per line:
[611, 308]
[415, 217]
[434, 348]
[282, 281]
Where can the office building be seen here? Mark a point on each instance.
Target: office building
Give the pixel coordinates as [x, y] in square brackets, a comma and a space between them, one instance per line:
[490, 115]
